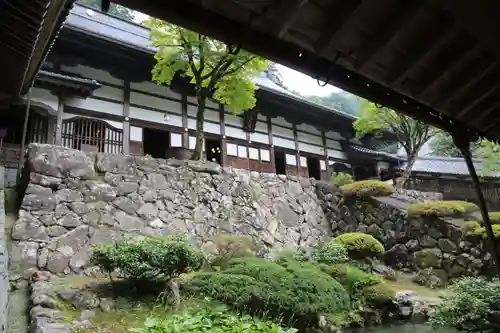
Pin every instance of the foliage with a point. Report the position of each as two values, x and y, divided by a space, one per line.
295 291
494 218
442 145
468 305
274 75
342 101
291 253
471 226
439 208
377 294
367 188
341 178
209 321
331 252
231 246
149 257
469 207
360 245
224 72
352 278
481 231
114 9
410 133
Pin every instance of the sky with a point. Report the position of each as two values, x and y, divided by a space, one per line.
304 84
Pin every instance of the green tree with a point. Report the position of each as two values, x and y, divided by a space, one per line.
342 101
275 76
442 145
410 133
114 9
224 72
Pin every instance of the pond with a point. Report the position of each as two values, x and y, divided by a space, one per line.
406 328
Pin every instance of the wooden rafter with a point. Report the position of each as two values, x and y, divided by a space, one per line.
480 99
484 114
402 13
338 16
492 66
288 13
455 67
420 48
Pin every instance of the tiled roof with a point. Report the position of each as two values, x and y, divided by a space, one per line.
446 165
368 151
52 76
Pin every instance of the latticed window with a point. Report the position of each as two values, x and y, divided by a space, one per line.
92 135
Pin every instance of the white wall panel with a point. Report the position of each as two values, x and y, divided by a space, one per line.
333 135
309 138
175 140
303 161
96 105
311 148
153 88
208 102
173 120
261 117
234 132
233 120
285 143
44 96
265 155
93 73
283 132
140 99
336 154
333 144
135 133
110 93
308 128
281 121
116 124
148 115
259 137
212 128
291 159
208 115
261 127
231 149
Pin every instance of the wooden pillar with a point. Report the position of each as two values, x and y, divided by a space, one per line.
223 148
59 121
126 118
325 154
271 144
51 130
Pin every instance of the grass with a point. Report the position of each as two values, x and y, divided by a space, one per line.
404 283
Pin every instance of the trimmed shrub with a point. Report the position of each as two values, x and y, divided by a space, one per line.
470 306
341 178
494 218
228 247
451 208
331 252
148 258
469 207
471 226
360 245
352 278
290 253
377 295
296 291
367 188
481 231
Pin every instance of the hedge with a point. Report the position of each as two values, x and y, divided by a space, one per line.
453 208
494 218
360 245
367 188
481 231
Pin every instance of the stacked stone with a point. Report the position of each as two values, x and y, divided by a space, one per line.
75 200
4 279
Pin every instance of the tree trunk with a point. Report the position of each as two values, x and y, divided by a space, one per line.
200 118
407 171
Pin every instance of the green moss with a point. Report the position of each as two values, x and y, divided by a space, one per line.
452 208
494 218
341 178
360 245
468 206
481 231
367 188
377 294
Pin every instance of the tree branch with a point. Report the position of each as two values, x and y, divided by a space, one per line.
234 70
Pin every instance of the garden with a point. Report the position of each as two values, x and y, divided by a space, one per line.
167 284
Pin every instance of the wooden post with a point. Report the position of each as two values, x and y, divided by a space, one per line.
463 143
297 150
185 133
126 118
23 138
271 144
223 148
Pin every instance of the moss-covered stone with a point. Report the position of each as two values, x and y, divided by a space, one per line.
451 208
429 258
367 188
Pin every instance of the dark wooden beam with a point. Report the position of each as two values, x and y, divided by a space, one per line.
478 100
461 61
470 84
287 12
402 13
431 36
481 116
337 16
443 43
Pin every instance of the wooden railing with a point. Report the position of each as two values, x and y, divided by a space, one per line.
92 135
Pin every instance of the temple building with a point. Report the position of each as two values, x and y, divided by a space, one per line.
94 93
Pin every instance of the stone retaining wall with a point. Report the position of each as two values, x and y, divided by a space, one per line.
75 200
4 280
437 249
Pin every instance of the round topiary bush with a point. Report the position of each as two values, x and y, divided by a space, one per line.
331 252
377 295
439 208
360 245
367 188
341 178
352 278
469 207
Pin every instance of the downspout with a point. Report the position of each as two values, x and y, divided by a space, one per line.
25 130
463 143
